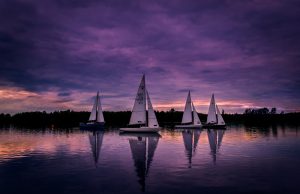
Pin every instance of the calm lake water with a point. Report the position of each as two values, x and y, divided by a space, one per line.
238 160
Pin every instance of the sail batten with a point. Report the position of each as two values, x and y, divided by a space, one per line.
138 115
187 114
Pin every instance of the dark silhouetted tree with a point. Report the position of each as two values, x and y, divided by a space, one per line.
273 111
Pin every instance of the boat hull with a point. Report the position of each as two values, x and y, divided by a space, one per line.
140 130
137 134
91 126
214 126
188 126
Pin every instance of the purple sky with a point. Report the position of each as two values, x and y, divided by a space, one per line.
55 54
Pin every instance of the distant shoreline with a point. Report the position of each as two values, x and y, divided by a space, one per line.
70 118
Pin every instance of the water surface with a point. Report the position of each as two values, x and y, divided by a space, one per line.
238 160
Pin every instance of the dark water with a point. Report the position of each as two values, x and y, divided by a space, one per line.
238 160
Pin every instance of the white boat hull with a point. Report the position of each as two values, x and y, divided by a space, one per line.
188 126
141 129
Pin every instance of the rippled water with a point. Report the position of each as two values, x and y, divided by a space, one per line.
238 160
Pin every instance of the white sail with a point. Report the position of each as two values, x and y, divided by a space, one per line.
196 120
94 110
211 116
100 117
219 116
138 115
152 121
187 115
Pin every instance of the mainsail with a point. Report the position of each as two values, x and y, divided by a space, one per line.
94 110
219 116
196 120
211 117
152 121
138 115
187 115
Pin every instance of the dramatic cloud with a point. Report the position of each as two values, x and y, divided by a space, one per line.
55 54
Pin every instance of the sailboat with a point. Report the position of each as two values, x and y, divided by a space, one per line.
190 118
190 143
214 117
96 119
142 146
138 120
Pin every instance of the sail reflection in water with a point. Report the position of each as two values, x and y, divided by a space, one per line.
190 139
142 148
215 137
96 138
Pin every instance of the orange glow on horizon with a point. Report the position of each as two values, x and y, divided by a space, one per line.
13 100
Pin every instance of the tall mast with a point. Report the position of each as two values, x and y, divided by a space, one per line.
145 96
97 106
192 113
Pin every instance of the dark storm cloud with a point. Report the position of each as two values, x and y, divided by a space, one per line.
242 50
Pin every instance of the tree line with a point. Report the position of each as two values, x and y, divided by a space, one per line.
169 118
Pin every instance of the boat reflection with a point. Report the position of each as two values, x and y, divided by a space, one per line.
190 139
215 137
142 147
96 138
